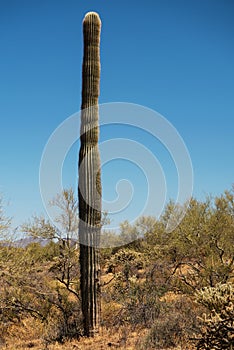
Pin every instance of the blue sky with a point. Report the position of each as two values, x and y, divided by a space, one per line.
174 56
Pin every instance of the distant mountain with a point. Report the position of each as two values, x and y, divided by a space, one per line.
24 242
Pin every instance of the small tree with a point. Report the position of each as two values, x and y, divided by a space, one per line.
65 232
199 251
63 297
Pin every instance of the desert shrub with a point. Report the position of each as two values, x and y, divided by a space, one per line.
135 287
140 301
41 253
128 260
141 305
175 326
65 320
199 252
33 286
218 325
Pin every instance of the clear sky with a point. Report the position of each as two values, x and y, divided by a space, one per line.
174 56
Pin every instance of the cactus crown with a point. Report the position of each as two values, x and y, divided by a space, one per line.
92 16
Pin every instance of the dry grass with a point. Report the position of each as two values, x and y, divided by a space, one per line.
29 336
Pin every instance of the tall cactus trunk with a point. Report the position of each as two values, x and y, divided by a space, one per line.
90 178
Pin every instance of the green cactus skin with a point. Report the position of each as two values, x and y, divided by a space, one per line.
90 177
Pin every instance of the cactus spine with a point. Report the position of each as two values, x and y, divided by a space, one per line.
90 177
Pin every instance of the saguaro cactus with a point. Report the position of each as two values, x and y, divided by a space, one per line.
90 177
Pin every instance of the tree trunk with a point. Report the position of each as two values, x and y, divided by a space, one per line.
90 177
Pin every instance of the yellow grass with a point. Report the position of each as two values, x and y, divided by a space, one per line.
29 336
